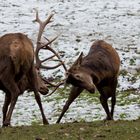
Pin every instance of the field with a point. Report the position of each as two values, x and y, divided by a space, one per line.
98 130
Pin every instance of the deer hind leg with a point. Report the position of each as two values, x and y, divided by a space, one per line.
104 103
113 102
108 90
14 91
33 81
113 99
104 91
75 92
7 80
6 104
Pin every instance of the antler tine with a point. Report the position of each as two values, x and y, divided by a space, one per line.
53 85
46 46
48 58
37 17
61 83
42 24
49 67
50 41
56 86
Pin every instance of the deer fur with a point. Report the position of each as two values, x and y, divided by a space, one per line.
18 73
99 69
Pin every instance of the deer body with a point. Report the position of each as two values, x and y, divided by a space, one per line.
17 72
99 69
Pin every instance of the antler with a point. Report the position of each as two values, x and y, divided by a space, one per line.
46 46
55 86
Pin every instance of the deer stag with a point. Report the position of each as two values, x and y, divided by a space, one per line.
99 69
18 72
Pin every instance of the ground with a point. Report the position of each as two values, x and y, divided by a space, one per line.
98 130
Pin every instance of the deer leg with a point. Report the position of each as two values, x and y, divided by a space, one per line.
104 103
107 88
113 100
13 89
8 82
38 100
33 81
6 104
10 111
75 92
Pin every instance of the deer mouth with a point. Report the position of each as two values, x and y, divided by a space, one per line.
44 91
91 90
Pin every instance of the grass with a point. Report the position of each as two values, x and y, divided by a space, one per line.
98 130
123 98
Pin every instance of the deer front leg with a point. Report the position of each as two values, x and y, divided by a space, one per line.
75 92
33 81
38 100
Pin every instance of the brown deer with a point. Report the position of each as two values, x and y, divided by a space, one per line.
18 72
99 69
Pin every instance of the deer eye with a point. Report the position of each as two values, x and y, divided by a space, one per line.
66 74
77 76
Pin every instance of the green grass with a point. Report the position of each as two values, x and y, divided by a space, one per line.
123 98
98 130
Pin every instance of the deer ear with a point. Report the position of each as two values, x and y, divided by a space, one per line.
79 60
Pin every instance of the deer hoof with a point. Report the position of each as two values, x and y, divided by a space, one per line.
58 122
108 119
6 124
43 91
45 122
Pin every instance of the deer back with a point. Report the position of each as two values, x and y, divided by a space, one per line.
102 59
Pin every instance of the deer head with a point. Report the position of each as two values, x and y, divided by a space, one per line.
80 76
42 85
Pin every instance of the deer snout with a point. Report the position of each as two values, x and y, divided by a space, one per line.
90 85
91 90
43 90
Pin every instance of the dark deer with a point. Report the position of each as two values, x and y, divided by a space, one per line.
18 72
99 69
